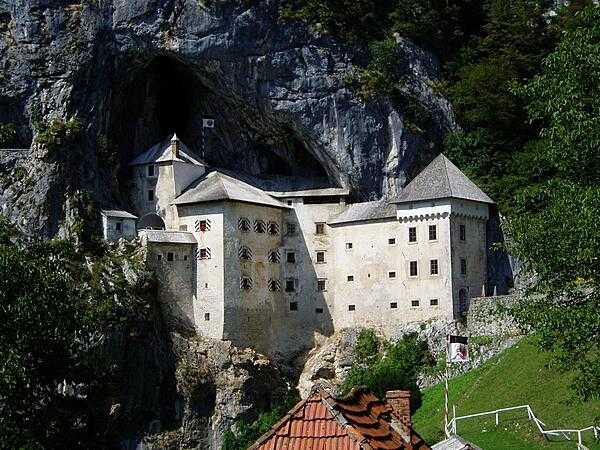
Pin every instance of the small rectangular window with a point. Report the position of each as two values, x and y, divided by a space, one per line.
433 302
433 266
273 228
185 257
274 285
274 256
207 316
414 303
246 283
432 232
290 229
159 257
151 170
260 226
322 285
182 227
150 195
119 227
463 266
412 234
293 306
204 253
290 257
462 232
319 228
320 257
319 310
290 285
392 241
414 271
170 256
392 274
393 305
289 202
202 225
348 245
350 277
244 224
351 307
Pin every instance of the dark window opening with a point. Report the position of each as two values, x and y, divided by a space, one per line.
290 257
150 195
433 302
319 310
414 271
206 316
290 285
350 277
293 306
463 266
274 256
462 232
273 228
392 241
432 232
321 285
119 227
433 267
412 234
170 256
392 274
414 303
151 170
320 228
393 305
351 307
320 257
259 226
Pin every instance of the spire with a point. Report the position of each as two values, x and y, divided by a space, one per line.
175 145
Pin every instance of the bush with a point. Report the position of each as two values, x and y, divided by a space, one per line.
59 134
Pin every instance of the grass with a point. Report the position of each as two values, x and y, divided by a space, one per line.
518 376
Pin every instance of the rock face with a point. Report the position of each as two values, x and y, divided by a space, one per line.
133 71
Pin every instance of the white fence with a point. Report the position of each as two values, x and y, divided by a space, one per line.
531 416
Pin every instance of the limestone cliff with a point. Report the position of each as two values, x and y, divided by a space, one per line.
131 72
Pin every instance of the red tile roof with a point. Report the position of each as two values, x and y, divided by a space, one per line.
359 421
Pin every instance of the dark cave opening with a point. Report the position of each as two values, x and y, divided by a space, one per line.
163 94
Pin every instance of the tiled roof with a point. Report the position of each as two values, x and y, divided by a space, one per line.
359 212
161 152
441 179
169 236
322 422
118 213
218 186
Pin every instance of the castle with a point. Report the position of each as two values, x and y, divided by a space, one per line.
270 268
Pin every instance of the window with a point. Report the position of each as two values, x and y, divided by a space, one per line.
319 310
182 227
202 225
414 270
463 266
150 195
432 232
433 302
290 229
293 306
290 257
246 283
320 228
414 303
259 226
204 253
273 228
320 257
151 170
350 277
392 274
433 266
462 232
392 241
274 285
245 253
119 227
243 224
170 256
289 202
322 284
348 245
274 256
185 257
351 307
207 316
290 285
412 234
159 257
393 305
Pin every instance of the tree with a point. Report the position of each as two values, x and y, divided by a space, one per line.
554 230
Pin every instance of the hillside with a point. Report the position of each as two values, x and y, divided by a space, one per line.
517 376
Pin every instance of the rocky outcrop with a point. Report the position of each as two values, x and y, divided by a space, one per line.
132 72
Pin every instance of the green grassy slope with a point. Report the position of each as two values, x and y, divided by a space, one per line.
517 376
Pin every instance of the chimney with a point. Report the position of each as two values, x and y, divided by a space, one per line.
175 145
400 404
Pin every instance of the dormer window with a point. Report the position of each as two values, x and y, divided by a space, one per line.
151 170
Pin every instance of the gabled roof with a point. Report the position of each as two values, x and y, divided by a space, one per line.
161 152
355 422
117 213
218 186
441 179
359 212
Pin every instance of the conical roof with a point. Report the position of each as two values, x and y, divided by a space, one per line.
441 179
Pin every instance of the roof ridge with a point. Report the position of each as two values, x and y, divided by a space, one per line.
444 160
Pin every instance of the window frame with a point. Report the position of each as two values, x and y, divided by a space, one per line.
393 305
412 239
291 253
119 227
294 285
153 174
463 267
432 300
351 308
434 264
272 228
392 241
320 257
434 229
410 267
462 232
322 284
244 225
392 274
260 226
320 228
349 278
416 303
150 195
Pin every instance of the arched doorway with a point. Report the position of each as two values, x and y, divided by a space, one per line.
463 301
151 221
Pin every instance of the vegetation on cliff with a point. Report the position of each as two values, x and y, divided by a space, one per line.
57 306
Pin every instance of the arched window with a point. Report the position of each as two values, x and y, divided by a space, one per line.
245 254
259 226
244 224
151 221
